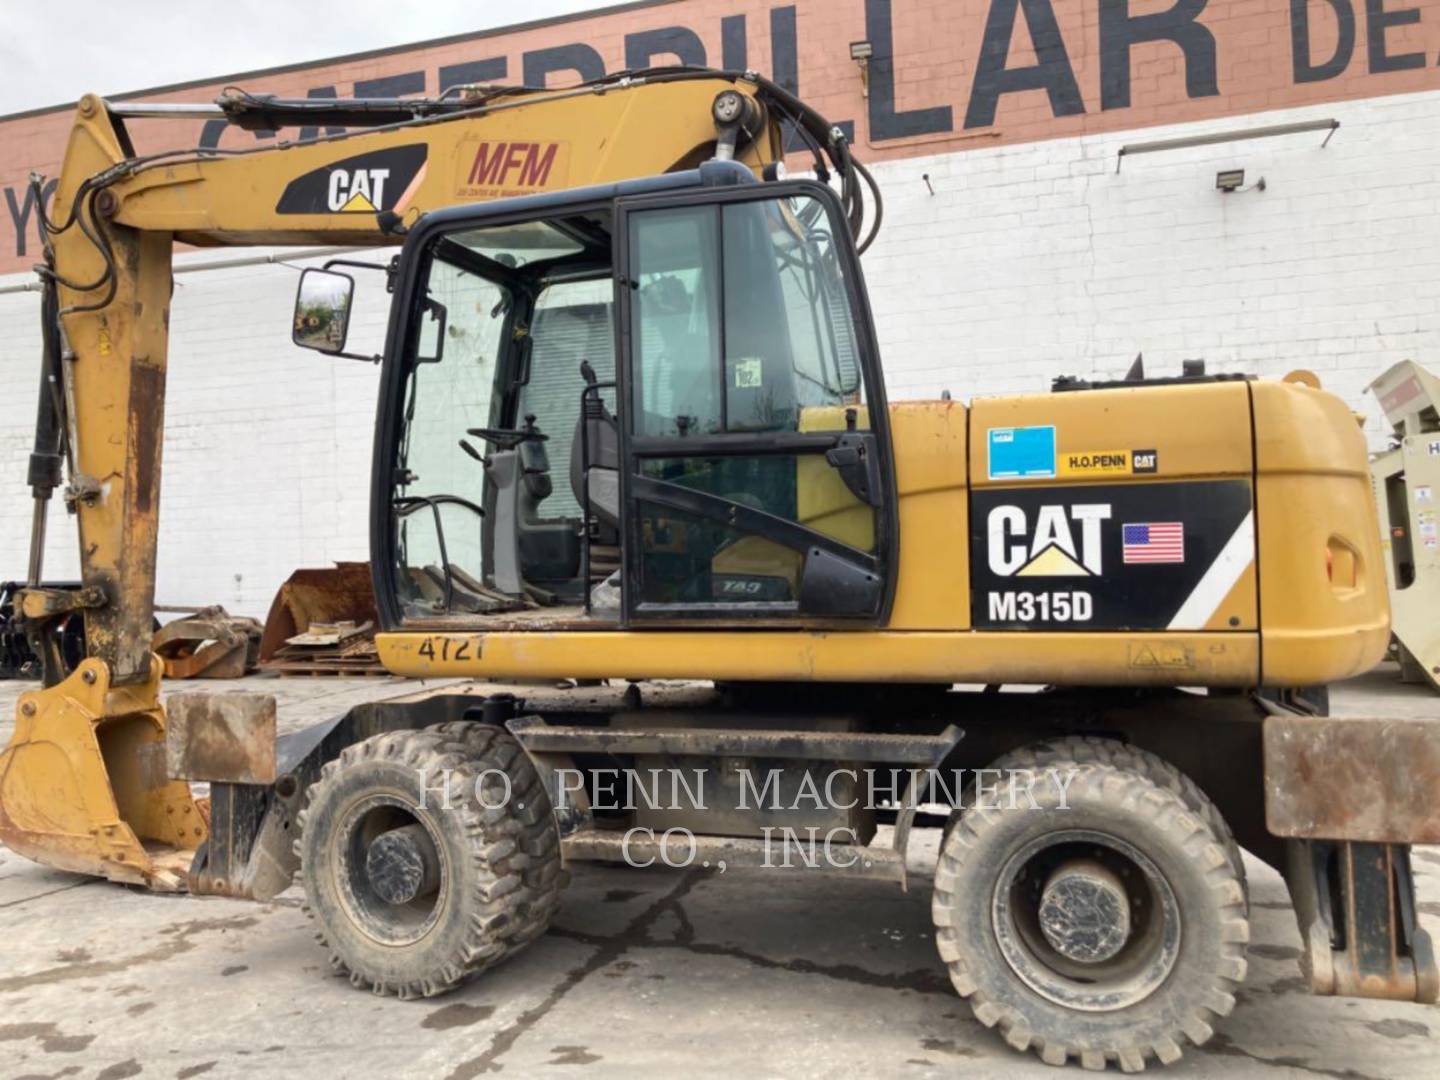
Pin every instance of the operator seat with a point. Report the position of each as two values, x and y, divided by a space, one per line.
526 553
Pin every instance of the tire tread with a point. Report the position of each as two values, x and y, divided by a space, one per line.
516 855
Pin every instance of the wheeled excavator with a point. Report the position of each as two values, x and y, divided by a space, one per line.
634 455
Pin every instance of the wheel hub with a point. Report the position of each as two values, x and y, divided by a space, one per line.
1084 912
402 864
1086 920
392 872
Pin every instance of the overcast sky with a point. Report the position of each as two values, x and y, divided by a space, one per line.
51 54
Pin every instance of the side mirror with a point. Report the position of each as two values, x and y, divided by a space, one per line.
322 310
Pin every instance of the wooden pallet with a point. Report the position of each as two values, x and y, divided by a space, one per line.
324 666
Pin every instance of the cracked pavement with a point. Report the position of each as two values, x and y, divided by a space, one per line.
652 971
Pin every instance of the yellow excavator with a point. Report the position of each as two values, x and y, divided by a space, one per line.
633 456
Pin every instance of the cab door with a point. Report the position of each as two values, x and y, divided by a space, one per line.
756 468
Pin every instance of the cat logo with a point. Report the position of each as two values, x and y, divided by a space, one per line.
1065 541
364 184
361 191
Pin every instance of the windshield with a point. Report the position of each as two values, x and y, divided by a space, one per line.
439 506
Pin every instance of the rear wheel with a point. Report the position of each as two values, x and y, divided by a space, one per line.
420 853
1108 924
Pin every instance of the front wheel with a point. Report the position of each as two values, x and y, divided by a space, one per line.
427 857
1105 922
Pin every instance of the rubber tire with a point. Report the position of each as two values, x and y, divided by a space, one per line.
1088 749
542 877
1129 804
491 912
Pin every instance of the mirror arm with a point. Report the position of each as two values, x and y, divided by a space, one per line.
356 263
390 269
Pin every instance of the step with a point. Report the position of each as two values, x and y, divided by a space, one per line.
924 750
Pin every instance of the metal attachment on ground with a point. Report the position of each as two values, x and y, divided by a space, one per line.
1405 477
210 644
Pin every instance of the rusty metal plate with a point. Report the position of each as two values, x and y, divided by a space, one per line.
338 593
208 644
1343 778
226 737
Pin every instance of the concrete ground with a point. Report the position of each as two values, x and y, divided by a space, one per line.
659 972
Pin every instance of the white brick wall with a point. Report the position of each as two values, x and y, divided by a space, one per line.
1038 259
1028 261
267 446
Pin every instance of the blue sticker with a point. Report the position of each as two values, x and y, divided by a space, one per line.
1022 453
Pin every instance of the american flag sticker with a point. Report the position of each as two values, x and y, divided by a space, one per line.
1154 542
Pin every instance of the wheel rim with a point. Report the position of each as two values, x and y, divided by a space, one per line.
386 913
1086 920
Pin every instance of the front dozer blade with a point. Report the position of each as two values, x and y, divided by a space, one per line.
83 784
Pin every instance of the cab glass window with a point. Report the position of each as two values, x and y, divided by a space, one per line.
741 320
445 397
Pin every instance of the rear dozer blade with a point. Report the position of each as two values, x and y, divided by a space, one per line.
83 784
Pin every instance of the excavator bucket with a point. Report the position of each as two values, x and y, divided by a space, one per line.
84 788
322 619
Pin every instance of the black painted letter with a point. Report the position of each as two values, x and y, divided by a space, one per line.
1306 70
391 86
678 41
1378 22
885 122
494 69
306 133
733 51
20 214
581 59
1119 30
1052 73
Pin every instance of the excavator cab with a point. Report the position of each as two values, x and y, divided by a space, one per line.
628 405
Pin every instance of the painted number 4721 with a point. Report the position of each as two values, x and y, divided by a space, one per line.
448 648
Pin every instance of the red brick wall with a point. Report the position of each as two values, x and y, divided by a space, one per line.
942 77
